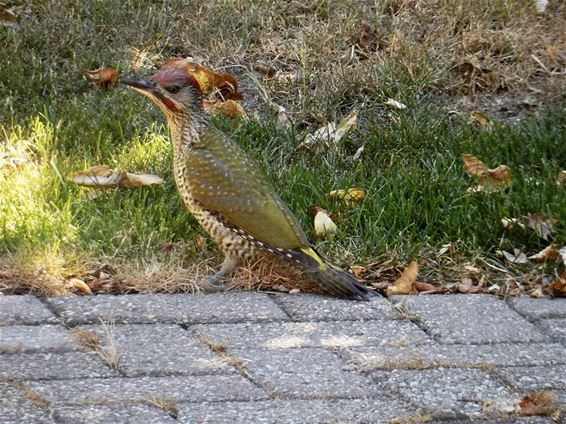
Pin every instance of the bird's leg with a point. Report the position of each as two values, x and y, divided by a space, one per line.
230 263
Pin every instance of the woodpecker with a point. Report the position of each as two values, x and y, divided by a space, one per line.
228 194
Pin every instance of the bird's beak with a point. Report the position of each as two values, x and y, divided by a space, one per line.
146 87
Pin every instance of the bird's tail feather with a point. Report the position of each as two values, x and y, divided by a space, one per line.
333 279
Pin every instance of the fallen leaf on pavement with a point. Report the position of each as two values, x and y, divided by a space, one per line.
405 283
102 176
103 77
538 403
490 180
547 254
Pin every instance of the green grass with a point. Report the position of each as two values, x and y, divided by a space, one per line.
411 167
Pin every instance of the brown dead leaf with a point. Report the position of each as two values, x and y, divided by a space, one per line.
490 180
103 77
405 283
366 36
209 81
228 109
359 271
266 71
558 287
547 254
466 286
542 226
538 403
480 119
102 176
77 285
427 288
352 196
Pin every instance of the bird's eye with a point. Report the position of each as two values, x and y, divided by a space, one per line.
173 89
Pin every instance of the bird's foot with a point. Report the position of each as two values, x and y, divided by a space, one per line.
213 284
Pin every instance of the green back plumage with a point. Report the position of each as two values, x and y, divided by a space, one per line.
226 182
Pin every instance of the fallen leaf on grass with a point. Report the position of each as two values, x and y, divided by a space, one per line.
490 180
209 81
331 132
480 119
366 35
541 5
405 283
395 104
102 176
323 224
103 77
358 270
77 285
517 257
511 222
427 288
466 286
282 118
547 254
561 179
542 226
445 248
266 71
227 109
352 196
7 17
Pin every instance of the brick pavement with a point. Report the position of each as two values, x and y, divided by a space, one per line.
256 357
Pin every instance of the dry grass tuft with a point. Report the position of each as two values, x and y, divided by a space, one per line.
164 403
105 346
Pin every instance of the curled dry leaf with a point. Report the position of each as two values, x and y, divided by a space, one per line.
542 226
427 288
209 81
395 104
466 285
511 222
490 180
561 179
405 283
103 77
517 257
558 287
266 71
352 196
227 109
539 403
77 285
331 132
323 223
547 254
102 176
480 119
358 270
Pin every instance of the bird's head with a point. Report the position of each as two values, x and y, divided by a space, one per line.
174 91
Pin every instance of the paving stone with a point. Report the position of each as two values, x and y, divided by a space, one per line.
168 308
113 391
100 414
294 411
527 379
25 309
311 307
23 413
35 338
461 392
542 308
35 366
325 334
161 349
526 420
555 328
471 319
303 373
428 356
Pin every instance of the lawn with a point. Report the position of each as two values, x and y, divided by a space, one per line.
443 60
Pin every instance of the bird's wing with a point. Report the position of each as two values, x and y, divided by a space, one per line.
227 183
